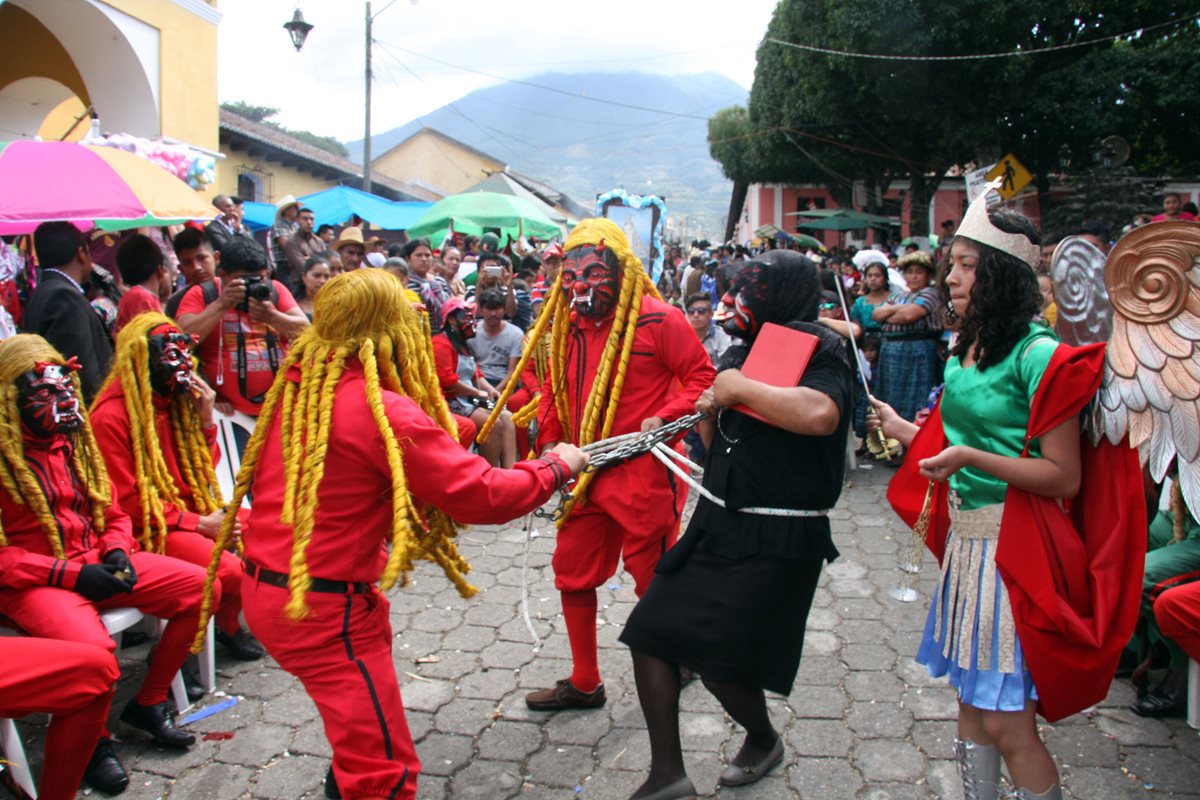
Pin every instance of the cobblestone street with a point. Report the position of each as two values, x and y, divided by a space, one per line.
864 721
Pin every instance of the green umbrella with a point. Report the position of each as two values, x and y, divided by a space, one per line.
476 212
844 220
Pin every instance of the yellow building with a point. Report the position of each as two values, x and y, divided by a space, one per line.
147 68
430 158
263 164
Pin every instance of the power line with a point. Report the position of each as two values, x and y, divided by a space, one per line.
530 84
979 56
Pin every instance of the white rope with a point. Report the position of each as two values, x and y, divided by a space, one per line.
980 56
530 534
667 455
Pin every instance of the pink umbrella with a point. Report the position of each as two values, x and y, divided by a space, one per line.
110 188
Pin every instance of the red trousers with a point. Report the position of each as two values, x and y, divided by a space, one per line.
1177 612
72 681
167 588
342 653
518 400
196 548
591 543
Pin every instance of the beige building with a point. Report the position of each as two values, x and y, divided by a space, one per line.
262 163
436 161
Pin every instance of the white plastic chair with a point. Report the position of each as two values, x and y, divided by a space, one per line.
1193 690
231 460
14 753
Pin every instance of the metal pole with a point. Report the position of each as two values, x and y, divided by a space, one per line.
366 182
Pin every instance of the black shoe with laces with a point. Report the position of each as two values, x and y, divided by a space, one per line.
157 721
104 771
241 646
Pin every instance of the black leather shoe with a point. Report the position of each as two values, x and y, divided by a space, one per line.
157 721
195 689
1168 699
241 646
104 771
331 788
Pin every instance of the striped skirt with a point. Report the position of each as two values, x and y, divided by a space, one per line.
970 635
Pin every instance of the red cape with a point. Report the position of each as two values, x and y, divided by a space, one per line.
1073 573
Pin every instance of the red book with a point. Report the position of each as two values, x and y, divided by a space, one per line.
778 357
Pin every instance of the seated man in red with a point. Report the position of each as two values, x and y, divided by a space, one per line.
32 682
153 420
67 551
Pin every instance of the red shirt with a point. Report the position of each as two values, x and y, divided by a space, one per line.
219 351
27 560
110 423
353 526
445 360
136 300
668 369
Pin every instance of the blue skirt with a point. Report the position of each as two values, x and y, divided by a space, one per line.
907 371
988 673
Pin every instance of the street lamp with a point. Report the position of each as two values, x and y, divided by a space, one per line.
298 29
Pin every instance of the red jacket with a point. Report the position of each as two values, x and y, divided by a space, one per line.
110 422
668 369
1073 572
27 560
354 513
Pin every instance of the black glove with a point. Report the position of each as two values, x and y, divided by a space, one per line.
120 560
97 582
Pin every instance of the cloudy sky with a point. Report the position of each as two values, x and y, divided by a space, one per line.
430 52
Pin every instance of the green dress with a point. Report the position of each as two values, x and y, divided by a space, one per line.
989 410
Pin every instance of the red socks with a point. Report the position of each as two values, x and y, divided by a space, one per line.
579 611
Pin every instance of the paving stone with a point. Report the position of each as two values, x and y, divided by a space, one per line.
444 753
820 738
470 638
1130 729
566 766
821 670
870 685
825 778
818 702
465 715
486 780
310 739
252 748
872 720
935 738
426 695
1165 769
288 778
821 643
868 656
292 705
487 685
509 655
935 703
168 762
511 741
577 728
212 781
944 781
1081 746
1106 783
884 760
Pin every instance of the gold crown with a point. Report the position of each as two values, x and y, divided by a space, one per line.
978 227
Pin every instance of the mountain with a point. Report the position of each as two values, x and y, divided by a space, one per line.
559 134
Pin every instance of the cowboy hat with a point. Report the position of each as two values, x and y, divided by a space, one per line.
286 202
350 235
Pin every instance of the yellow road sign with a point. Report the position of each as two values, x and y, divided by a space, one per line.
1014 175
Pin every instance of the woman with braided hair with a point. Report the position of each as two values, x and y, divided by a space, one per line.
153 420
621 361
731 599
356 475
67 550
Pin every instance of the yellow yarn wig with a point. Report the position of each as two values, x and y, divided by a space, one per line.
19 355
598 415
131 367
361 315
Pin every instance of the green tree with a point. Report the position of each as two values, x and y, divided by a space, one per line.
817 117
263 114
249 111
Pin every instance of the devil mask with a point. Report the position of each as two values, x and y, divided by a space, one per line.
590 279
48 400
779 286
462 322
170 361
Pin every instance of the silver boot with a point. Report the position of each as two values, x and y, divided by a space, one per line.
979 768
1053 793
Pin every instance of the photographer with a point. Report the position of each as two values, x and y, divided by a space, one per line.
244 321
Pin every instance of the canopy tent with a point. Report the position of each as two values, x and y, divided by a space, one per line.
839 219
804 240
86 184
500 183
335 206
478 212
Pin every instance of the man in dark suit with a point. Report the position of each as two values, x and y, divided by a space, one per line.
227 224
59 309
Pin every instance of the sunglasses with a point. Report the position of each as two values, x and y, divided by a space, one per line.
696 311
828 306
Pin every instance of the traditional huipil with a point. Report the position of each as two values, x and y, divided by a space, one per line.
356 475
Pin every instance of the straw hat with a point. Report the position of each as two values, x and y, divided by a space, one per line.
349 236
286 202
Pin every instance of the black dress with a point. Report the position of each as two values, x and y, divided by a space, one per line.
730 600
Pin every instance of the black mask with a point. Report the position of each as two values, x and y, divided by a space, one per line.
170 361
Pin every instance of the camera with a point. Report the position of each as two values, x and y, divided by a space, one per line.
257 288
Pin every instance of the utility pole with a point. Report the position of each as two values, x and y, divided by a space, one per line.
366 182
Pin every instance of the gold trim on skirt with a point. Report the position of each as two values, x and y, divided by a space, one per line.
969 578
